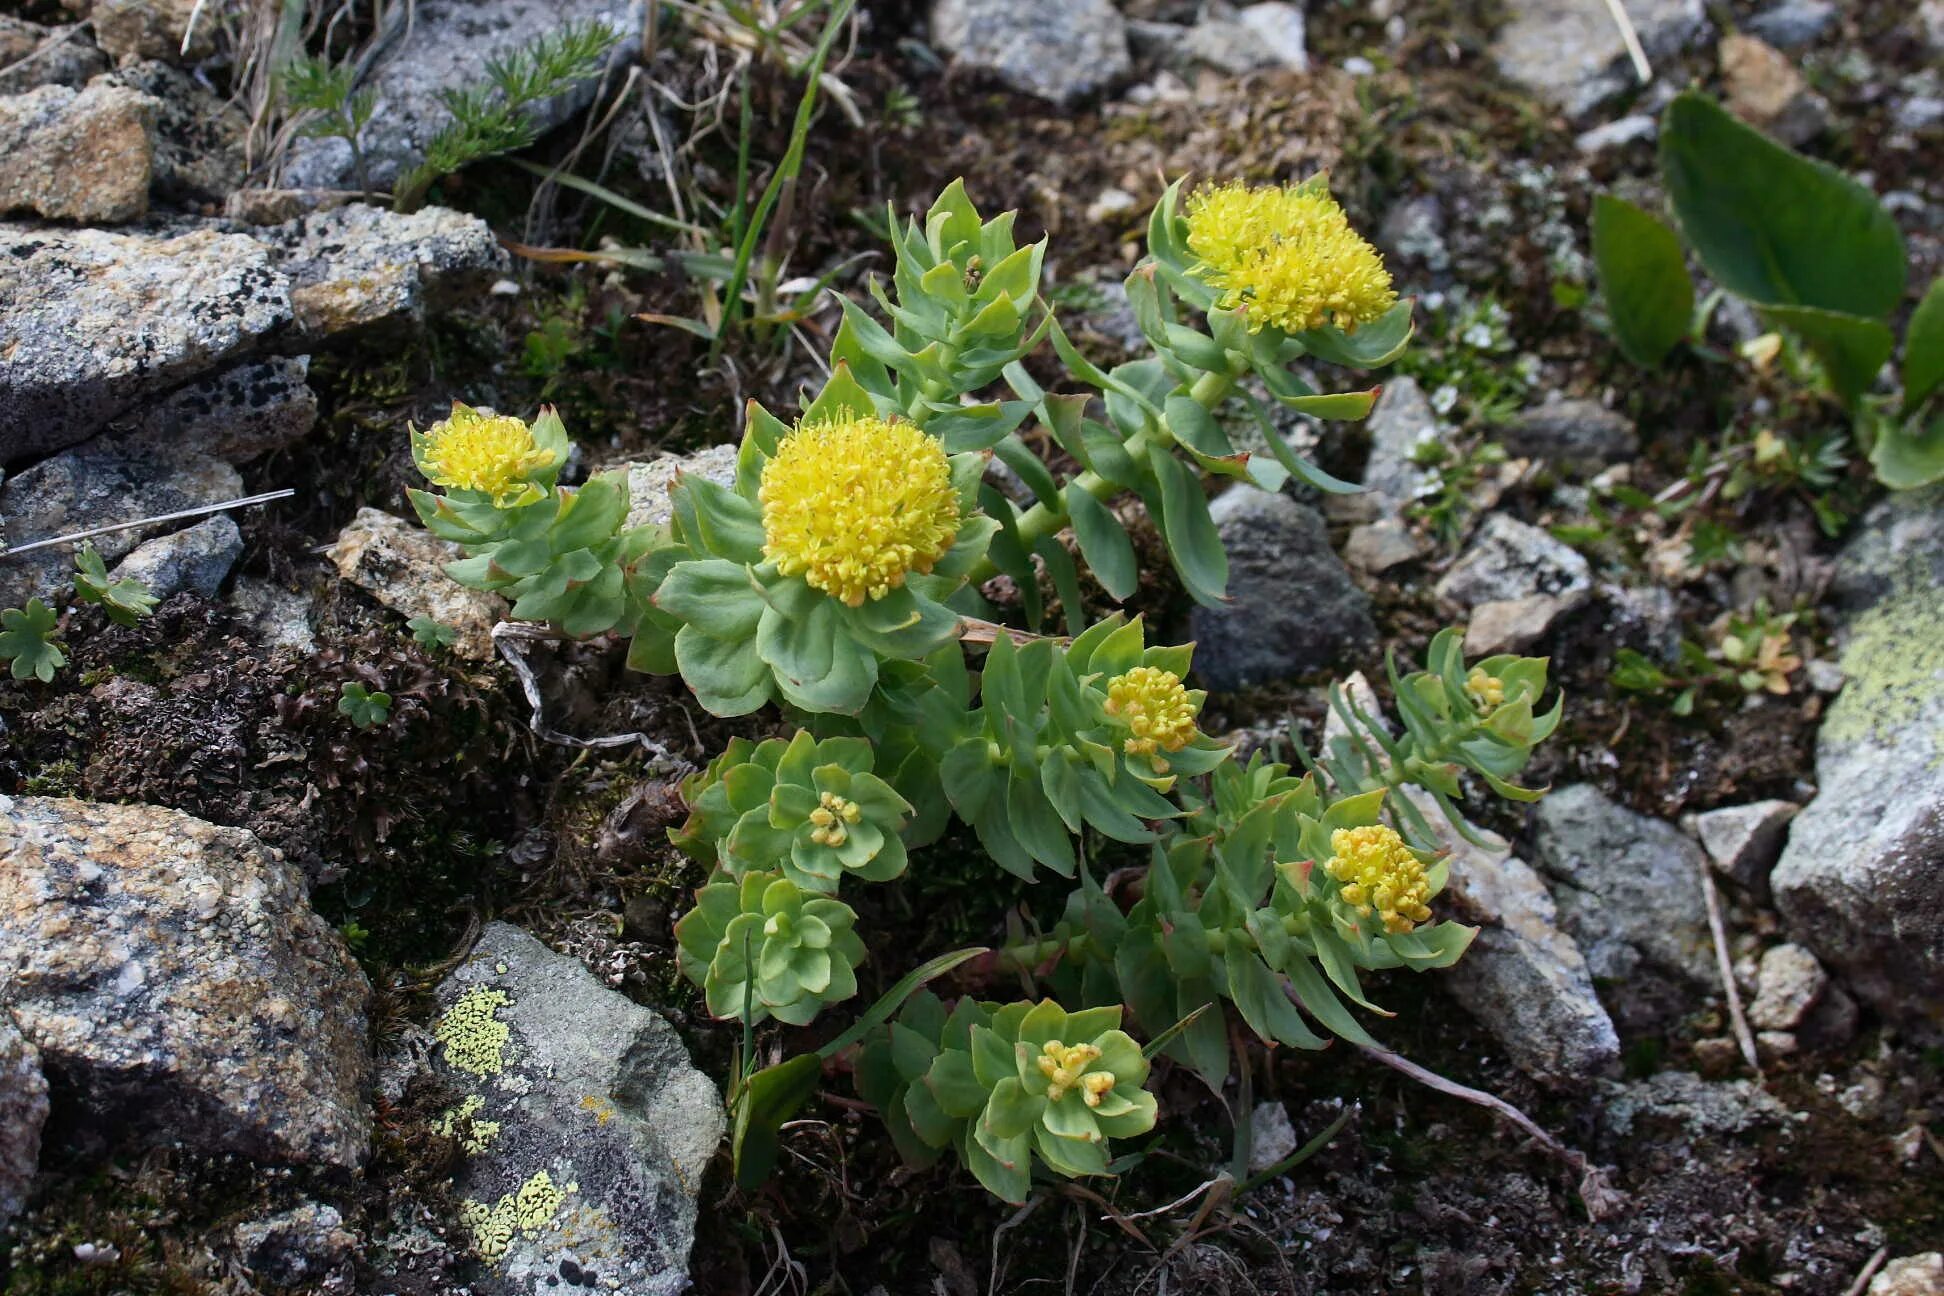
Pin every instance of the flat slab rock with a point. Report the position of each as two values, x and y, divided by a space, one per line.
402 565
173 975
585 1129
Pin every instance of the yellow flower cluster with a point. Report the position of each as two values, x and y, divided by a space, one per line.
1288 256
854 505
490 453
1485 691
829 818
1157 711
1380 874
1065 1065
474 1036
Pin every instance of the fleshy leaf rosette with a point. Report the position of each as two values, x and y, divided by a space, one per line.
1005 1084
812 809
764 947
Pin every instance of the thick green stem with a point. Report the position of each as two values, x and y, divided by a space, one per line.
1044 520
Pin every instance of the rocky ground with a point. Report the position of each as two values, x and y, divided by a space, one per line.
290 1005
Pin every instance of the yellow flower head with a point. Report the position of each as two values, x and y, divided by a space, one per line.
494 454
1156 711
1486 691
1286 254
856 504
1380 875
1065 1065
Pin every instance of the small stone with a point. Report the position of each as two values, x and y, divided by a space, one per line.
649 481
299 1247
1061 52
32 56
1791 984
1271 1136
1577 436
1401 421
1772 1045
1572 54
1414 231
1793 23
81 156
151 29
1824 676
1517 580
279 617
601 1129
1261 36
1375 547
1512 625
94 323
1766 90
1916 1275
1111 204
197 559
1292 605
1716 1057
1616 134
153 1014
23 1113
403 567
1744 841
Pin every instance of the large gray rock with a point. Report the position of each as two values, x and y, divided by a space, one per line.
235 414
446 45
23 1112
1061 52
92 323
1861 881
199 135
1577 436
358 266
173 976
403 567
1516 580
1629 892
32 55
196 559
586 1131
1571 54
1260 36
103 481
1292 606
82 155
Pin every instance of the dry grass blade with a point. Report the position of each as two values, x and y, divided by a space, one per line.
1723 961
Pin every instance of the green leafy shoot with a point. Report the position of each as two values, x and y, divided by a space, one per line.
428 633
27 640
365 708
126 601
341 111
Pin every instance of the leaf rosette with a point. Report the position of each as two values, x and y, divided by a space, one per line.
764 947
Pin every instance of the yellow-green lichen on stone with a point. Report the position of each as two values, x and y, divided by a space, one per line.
524 1212
1894 658
474 1036
463 1123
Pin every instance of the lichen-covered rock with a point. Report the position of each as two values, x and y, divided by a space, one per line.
1293 607
1915 1275
103 481
234 414
1516 580
1861 881
449 44
91 323
300 1247
82 155
584 1128
32 55
650 480
1629 892
1062 52
356 266
199 135
403 567
1572 54
153 29
23 1111
1699 1109
173 975
197 559
1578 436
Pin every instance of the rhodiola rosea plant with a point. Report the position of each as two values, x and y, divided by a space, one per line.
839 579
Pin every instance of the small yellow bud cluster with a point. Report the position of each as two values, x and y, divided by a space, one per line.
854 505
1286 254
1156 710
490 453
1486 691
1380 874
1065 1065
831 815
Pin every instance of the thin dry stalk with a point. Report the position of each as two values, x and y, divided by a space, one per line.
1726 964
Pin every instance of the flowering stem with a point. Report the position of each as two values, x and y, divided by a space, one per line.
1043 520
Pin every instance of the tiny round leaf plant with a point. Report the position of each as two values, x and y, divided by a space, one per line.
813 810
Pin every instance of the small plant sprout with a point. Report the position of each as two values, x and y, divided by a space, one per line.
27 641
842 577
126 601
431 634
363 707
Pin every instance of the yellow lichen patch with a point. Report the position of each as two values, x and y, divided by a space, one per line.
1287 255
599 1108
463 1123
493 454
474 1036
1380 875
854 505
1485 691
1156 711
525 1211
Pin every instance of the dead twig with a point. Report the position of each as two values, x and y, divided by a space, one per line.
507 635
199 511
1862 1283
1631 38
1723 961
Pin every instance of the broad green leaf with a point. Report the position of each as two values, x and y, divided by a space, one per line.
1923 362
1904 457
1643 276
1190 532
1373 346
768 1098
1771 225
1103 542
26 639
1852 349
